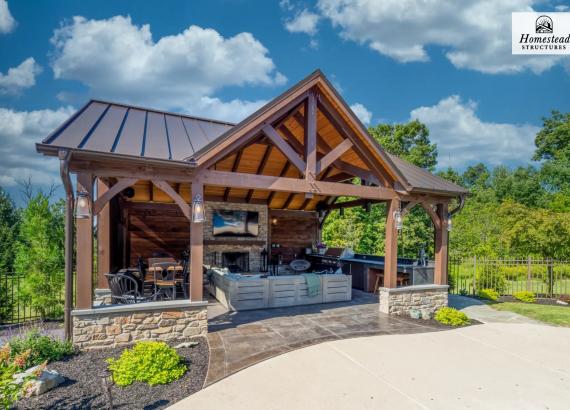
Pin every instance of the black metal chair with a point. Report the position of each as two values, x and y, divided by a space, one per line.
125 289
165 280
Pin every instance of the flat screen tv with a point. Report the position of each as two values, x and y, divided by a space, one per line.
235 223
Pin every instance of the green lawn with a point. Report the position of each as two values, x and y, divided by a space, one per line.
556 315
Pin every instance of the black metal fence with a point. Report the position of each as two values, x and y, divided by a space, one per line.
15 308
544 277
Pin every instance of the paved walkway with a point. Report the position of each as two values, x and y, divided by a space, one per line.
240 339
482 312
491 366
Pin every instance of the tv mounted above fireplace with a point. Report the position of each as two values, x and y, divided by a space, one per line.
235 223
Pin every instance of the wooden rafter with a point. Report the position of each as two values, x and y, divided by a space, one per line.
260 168
341 165
310 135
235 167
284 147
288 201
333 155
281 174
344 129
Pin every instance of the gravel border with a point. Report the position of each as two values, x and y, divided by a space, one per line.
82 389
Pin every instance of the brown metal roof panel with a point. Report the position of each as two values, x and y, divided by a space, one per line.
196 133
420 178
103 136
180 146
130 138
156 143
213 130
80 127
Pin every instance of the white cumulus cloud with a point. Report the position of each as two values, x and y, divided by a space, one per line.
464 139
119 60
20 77
19 131
475 34
7 22
303 22
362 113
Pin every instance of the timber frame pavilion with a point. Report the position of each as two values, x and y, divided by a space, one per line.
300 152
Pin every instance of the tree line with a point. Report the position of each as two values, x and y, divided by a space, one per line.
32 247
518 212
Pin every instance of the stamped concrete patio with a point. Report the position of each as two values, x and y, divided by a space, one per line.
241 339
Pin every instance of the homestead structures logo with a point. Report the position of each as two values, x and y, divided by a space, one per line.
544 25
538 33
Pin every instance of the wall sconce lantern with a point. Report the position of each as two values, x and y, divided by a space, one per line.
274 221
82 205
449 223
399 220
198 209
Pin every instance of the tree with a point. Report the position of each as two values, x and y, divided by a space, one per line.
8 236
553 148
8 232
408 141
40 255
476 176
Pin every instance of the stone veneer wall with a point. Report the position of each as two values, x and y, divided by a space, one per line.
238 244
425 298
120 325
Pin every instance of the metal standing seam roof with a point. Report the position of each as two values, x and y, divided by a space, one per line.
421 179
128 130
108 127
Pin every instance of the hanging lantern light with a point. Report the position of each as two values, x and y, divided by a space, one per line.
449 223
399 220
82 206
198 209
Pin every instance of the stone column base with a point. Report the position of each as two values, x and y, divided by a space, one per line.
425 298
120 325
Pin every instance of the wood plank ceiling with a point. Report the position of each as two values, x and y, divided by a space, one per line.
263 158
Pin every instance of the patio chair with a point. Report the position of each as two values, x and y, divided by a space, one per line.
125 289
164 280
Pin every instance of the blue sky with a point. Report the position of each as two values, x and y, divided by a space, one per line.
391 60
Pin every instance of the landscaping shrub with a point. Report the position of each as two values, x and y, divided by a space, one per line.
10 364
525 296
42 348
148 362
490 294
463 292
451 316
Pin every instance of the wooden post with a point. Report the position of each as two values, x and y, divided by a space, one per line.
196 248
84 252
103 239
391 246
440 274
311 136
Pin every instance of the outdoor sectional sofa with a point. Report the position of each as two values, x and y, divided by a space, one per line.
247 292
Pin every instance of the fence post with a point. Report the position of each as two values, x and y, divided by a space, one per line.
550 277
529 274
474 274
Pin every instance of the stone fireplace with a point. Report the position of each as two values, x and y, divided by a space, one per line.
235 249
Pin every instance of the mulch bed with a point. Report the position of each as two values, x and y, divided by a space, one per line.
82 389
539 301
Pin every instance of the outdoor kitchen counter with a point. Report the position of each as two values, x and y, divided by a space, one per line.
246 292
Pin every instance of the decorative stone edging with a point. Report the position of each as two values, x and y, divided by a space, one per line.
120 325
424 298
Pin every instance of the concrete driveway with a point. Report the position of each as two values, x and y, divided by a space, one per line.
488 366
